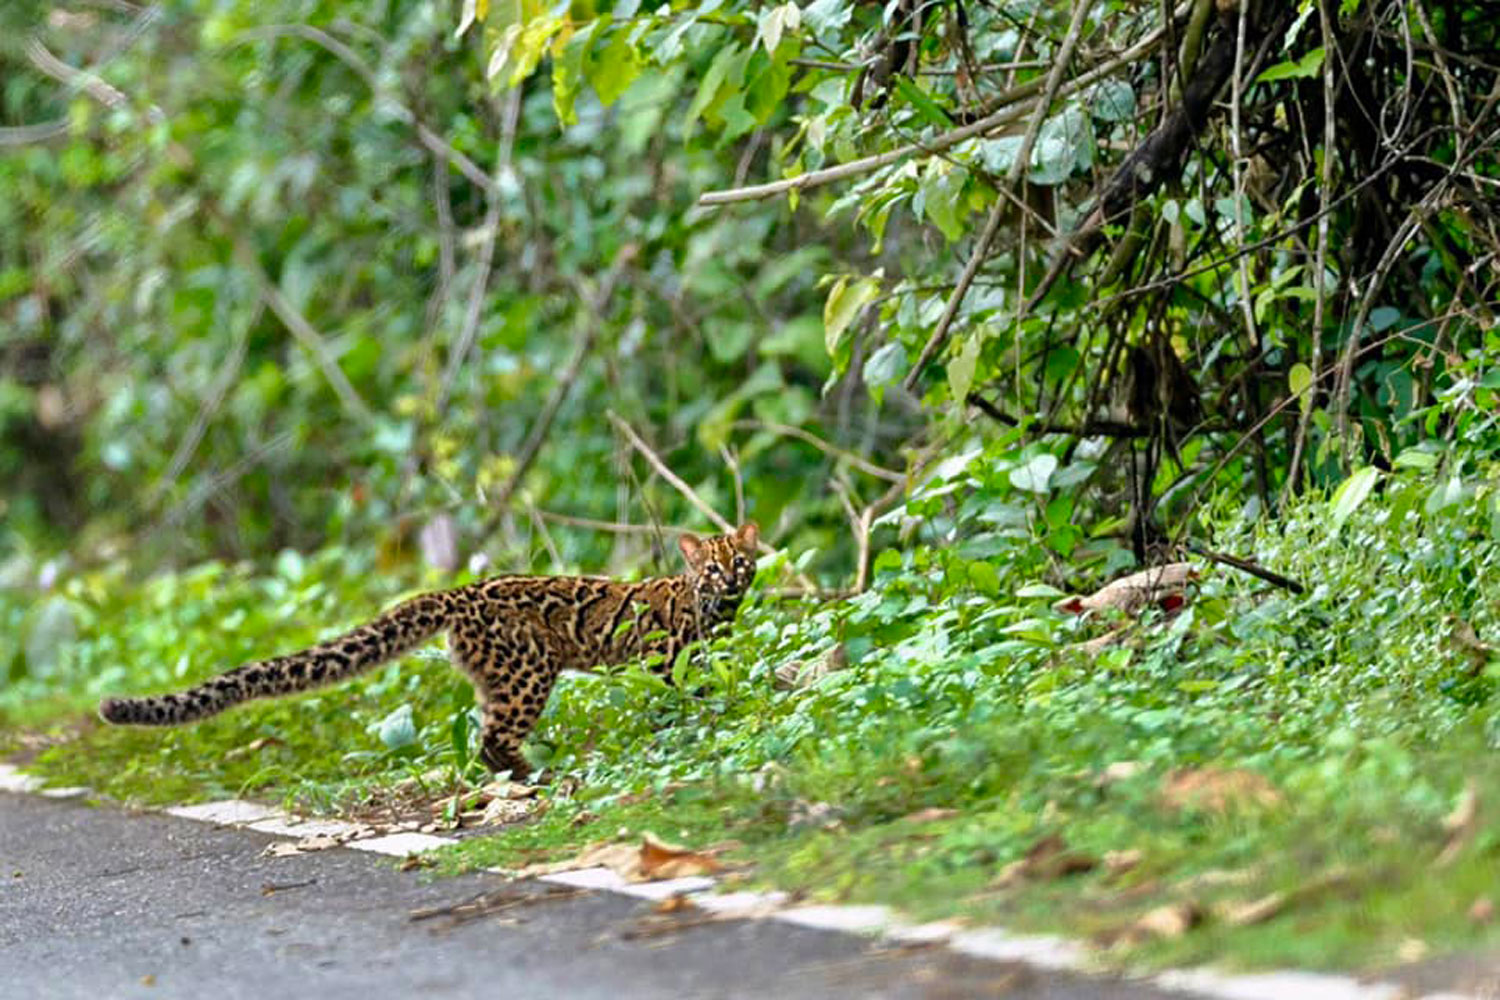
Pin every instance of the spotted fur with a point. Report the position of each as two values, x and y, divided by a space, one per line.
510 635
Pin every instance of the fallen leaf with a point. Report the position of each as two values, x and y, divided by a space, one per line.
1170 921
1217 790
675 904
502 812
805 673
1131 594
661 860
507 790
1250 912
148 980
414 861
288 848
649 860
1462 823
1049 858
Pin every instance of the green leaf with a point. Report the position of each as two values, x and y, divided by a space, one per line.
961 368
1113 101
924 105
1308 65
1299 379
1034 591
1036 475
885 365
845 302
985 578
1352 492
614 69
397 730
1416 458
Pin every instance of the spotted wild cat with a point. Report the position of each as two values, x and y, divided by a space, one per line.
510 635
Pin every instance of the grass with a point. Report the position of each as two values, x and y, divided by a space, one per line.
963 733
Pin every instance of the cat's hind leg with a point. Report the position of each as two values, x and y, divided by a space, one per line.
512 680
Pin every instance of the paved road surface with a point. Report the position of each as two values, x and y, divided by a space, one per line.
98 903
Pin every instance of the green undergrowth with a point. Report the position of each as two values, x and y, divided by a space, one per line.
1345 735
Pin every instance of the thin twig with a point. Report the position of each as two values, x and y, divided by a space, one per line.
831 450
610 527
296 324
674 480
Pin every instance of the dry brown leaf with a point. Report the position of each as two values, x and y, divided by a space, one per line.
306 845
675 904
1217 790
1255 911
649 860
1462 823
1049 858
1170 921
1131 594
501 812
661 860
414 861
805 673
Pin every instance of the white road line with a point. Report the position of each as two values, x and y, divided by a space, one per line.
230 812
399 845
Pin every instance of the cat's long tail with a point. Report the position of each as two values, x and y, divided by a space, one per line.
399 630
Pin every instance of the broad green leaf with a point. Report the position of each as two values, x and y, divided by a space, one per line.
846 300
1113 101
985 577
615 68
1352 492
913 94
1416 458
397 729
1036 475
961 368
1308 65
886 365
1299 379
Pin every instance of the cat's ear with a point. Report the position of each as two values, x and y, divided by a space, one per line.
748 537
692 548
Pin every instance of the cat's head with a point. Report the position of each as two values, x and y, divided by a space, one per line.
722 566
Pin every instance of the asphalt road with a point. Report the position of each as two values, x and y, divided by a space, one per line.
98 903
